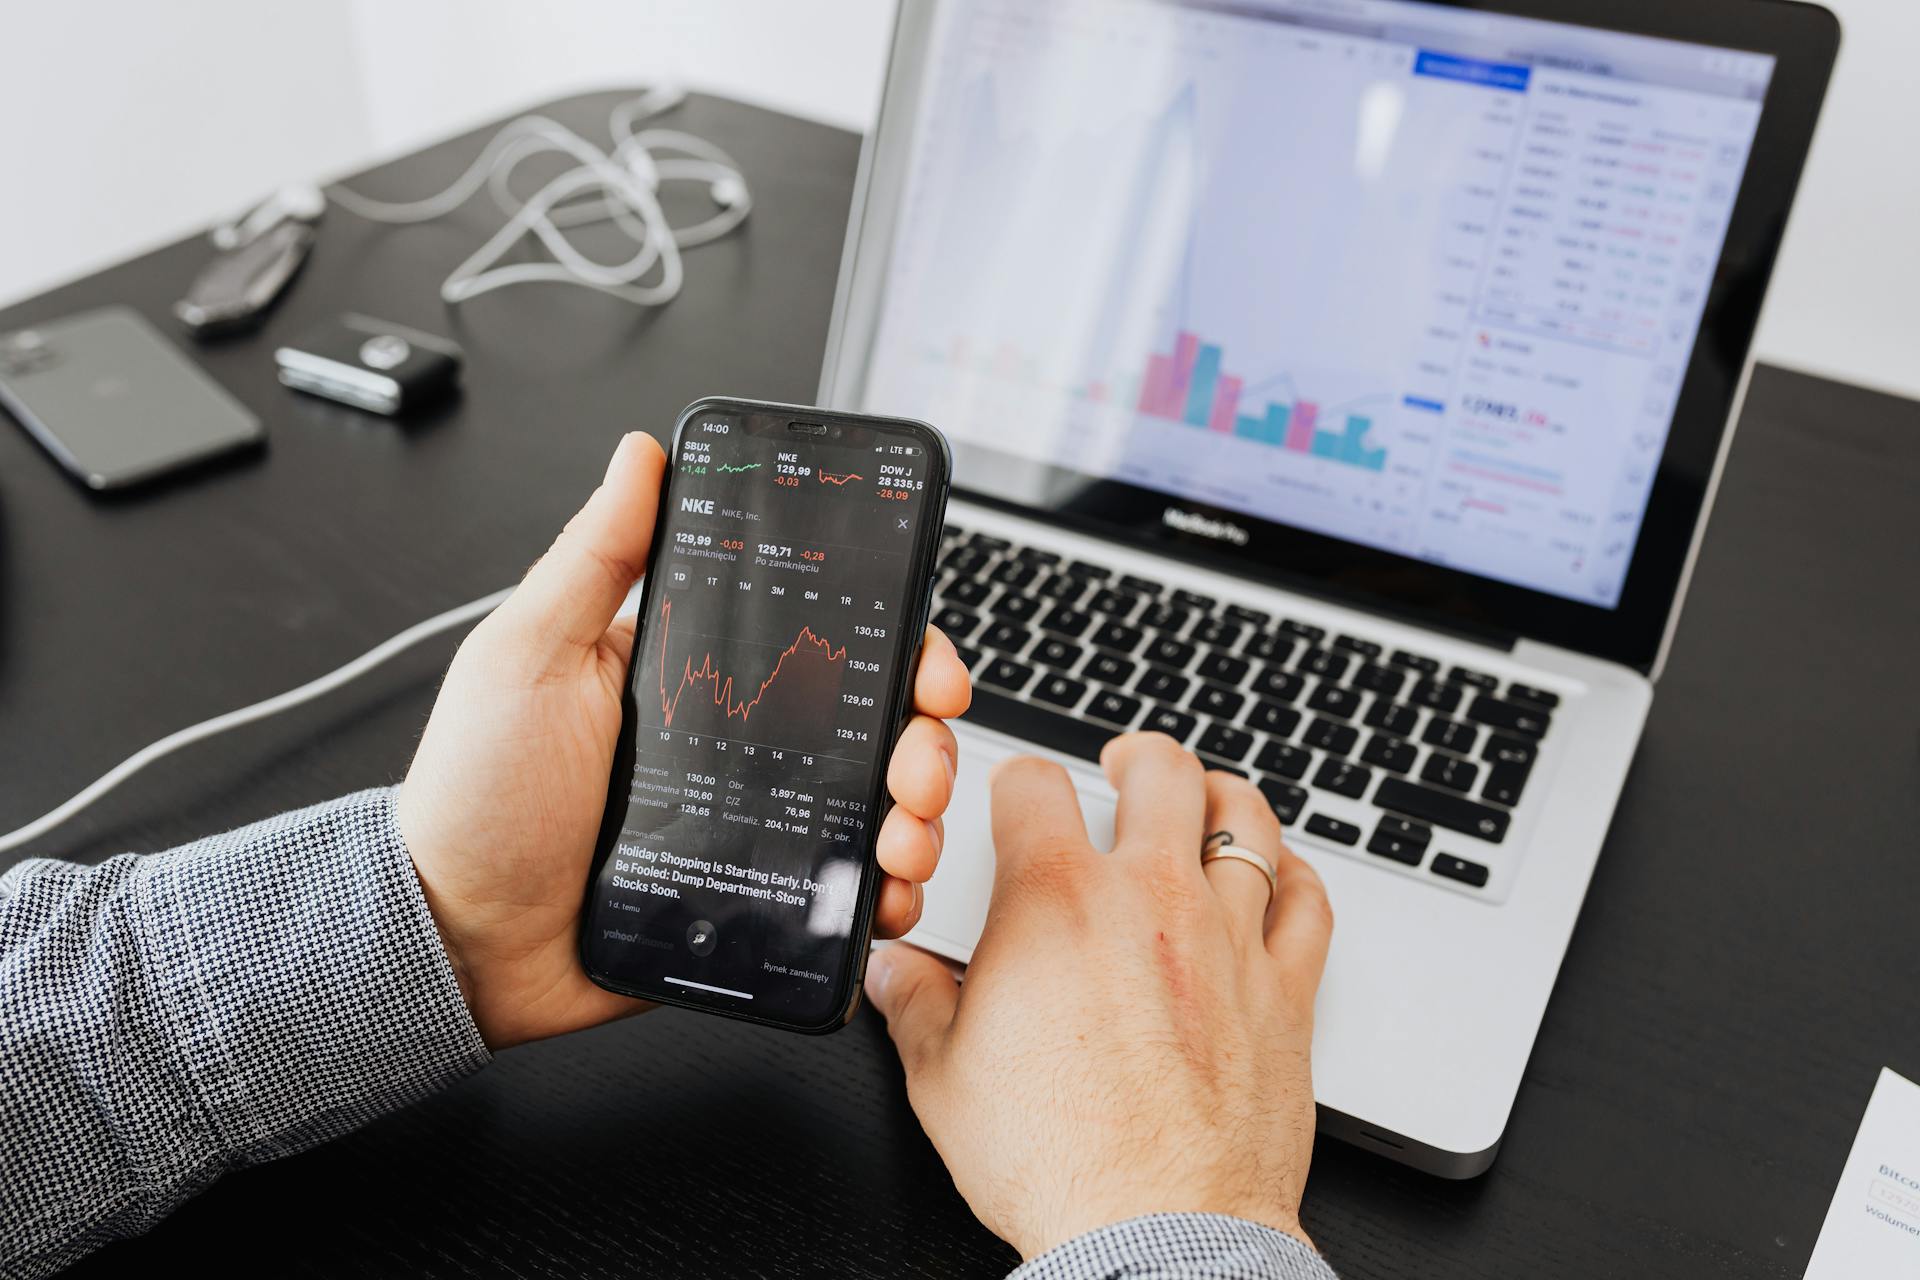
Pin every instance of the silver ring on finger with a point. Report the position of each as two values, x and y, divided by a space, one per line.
1220 845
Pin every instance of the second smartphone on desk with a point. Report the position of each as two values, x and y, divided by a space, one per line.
772 672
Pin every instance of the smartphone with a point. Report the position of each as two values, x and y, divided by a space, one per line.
114 402
778 635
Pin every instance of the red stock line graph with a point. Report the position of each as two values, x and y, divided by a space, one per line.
721 684
838 479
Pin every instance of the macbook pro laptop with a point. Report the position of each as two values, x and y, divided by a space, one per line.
1340 387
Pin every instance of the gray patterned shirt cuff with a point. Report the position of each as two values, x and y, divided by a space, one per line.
168 1017
1180 1246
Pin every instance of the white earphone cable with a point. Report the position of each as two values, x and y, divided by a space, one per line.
627 182
258 711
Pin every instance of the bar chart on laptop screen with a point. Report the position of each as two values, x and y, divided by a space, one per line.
1421 300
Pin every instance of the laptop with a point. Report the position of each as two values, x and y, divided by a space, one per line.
1340 387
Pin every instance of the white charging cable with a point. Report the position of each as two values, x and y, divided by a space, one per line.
258 711
621 186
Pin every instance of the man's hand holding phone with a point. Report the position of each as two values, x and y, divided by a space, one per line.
504 799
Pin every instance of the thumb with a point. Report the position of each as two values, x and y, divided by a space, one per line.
571 593
917 995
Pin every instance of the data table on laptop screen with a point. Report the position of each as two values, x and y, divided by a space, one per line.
1431 287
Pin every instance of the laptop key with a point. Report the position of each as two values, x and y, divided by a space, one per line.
1108 669
1015 573
1165 685
1389 752
1215 701
1115 708
1143 586
1443 809
1170 618
1271 647
969 591
1081 569
1478 679
1063 587
1400 840
1501 749
1255 617
1287 800
1170 653
1275 683
1336 739
1354 644
1037 724
1335 701
1060 691
1343 779
1414 662
1324 663
1118 635
1219 632
951 531
957 623
1014 607
1538 697
1115 604
969 656
1035 555
1007 673
1449 734
1505 782
963 560
1392 717
1511 716
1306 631
1218 666
1068 622
1450 772
1226 742
1009 637
1055 652
987 542
1333 829
1286 761
1175 724
1193 599
1385 681
1271 717
1435 695
1445 864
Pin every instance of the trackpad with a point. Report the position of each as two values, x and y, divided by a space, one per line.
956 898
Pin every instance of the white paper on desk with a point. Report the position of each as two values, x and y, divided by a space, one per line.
1873 1224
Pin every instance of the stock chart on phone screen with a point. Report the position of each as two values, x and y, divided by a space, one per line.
773 629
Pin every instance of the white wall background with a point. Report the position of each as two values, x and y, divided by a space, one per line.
128 124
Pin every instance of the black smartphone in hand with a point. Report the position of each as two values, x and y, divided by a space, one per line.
779 631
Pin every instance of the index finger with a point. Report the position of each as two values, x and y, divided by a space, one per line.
942 688
1162 790
1037 823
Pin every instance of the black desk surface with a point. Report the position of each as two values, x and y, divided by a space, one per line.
1743 967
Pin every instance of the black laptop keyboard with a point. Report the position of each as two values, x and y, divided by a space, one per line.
1067 654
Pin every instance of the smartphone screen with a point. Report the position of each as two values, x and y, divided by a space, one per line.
779 629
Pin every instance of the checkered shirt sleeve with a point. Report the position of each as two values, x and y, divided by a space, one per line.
169 1017
1180 1246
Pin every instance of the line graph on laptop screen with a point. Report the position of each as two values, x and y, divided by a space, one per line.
1427 283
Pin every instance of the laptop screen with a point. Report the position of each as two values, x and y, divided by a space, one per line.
1413 277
